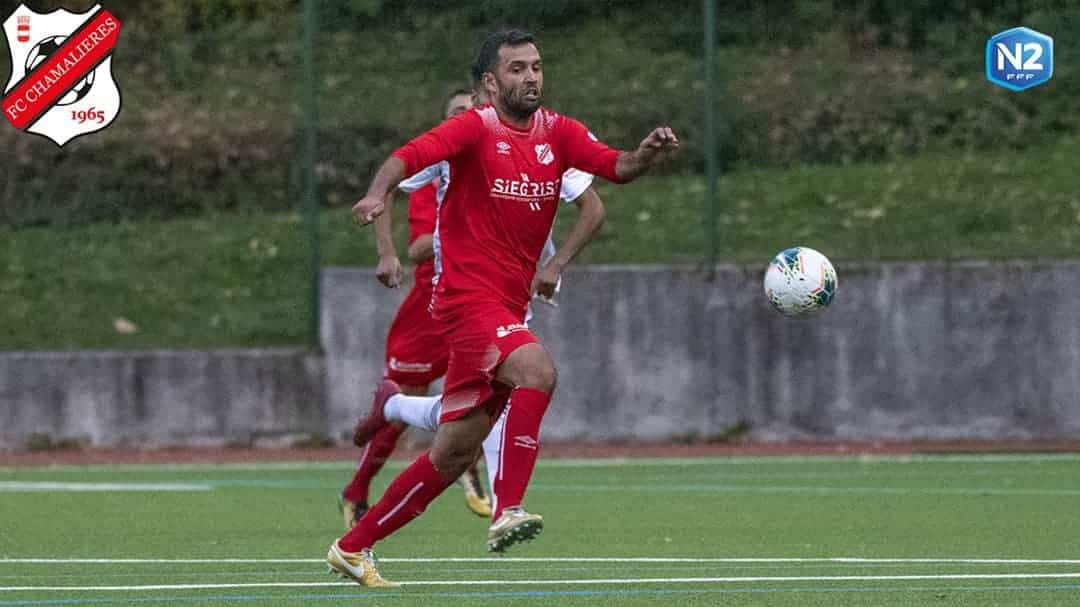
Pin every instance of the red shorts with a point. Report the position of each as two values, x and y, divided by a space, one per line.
416 351
480 337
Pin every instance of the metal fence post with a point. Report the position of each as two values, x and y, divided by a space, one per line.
310 146
712 203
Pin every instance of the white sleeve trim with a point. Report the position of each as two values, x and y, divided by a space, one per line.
574 184
421 179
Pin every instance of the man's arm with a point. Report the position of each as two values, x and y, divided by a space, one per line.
591 215
389 270
652 150
374 203
438 144
422 249
586 153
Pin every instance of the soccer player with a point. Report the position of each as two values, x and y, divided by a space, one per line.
416 354
506 161
424 412
378 432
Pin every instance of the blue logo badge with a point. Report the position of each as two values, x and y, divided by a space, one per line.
1019 59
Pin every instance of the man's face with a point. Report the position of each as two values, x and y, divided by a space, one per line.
517 81
458 104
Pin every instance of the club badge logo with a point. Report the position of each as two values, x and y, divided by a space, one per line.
544 153
61 83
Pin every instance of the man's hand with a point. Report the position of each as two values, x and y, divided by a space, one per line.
653 149
545 283
658 145
389 271
369 207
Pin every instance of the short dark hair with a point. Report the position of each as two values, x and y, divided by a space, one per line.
488 56
451 95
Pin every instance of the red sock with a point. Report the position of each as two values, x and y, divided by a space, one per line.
371 461
520 446
405 499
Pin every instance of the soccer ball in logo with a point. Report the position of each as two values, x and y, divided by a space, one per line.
41 52
800 282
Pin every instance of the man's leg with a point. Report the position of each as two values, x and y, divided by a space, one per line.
354 499
532 371
454 448
492 456
424 412
417 411
455 445
476 499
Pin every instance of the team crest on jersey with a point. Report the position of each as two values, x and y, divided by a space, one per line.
61 83
544 153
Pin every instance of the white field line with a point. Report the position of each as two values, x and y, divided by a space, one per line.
491 560
687 580
660 487
35 486
62 487
990 458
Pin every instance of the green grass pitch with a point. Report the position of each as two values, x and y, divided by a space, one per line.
988 530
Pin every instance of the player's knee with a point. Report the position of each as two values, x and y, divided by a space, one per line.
414 389
452 461
529 367
540 376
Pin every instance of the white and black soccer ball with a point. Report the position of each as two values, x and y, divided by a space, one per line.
41 52
800 282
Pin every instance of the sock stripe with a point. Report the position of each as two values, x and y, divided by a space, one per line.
502 445
400 504
364 453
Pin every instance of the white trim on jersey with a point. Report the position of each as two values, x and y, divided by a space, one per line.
574 184
440 171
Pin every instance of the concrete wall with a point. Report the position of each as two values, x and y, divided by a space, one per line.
907 351
222 397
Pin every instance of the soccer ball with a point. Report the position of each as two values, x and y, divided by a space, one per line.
41 52
800 282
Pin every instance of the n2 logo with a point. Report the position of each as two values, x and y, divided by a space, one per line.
1019 59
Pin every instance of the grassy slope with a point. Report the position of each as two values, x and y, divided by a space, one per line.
239 279
211 116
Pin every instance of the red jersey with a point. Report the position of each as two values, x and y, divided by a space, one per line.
502 199
422 209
